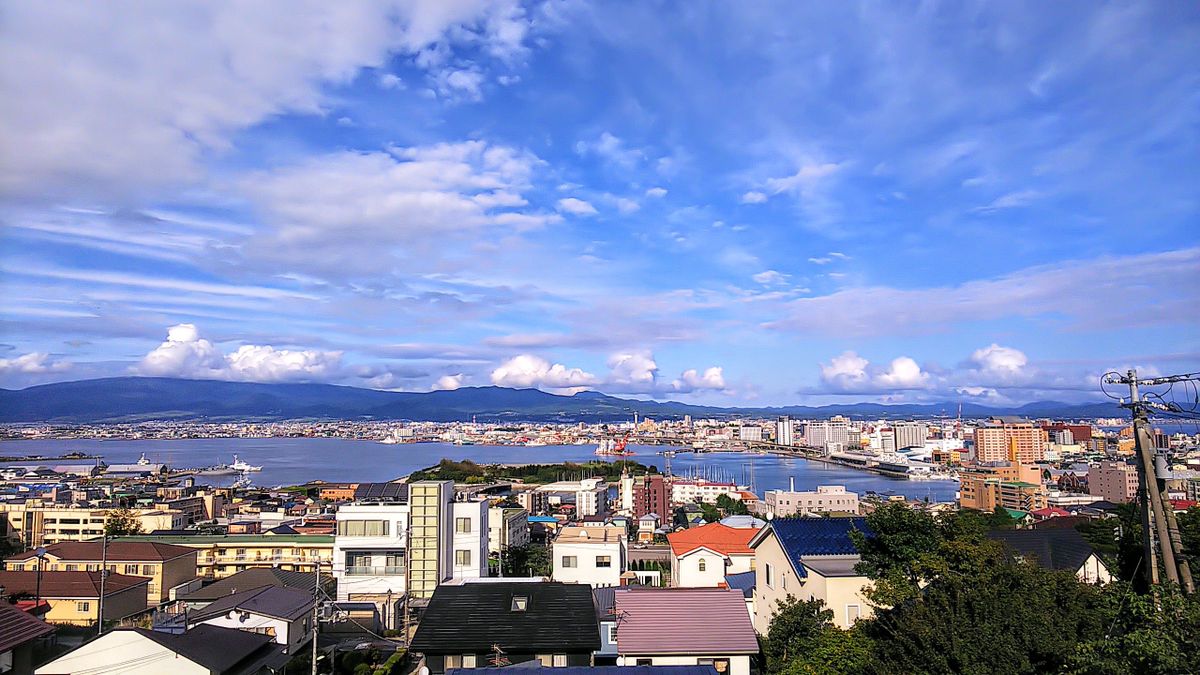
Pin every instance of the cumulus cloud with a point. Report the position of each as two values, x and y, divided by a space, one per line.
753 197
845 371
449 382
185 354
903 373
576 207
527 370
33 363
636 369
611 149
656 192
692 380
81 119
770 278
997 360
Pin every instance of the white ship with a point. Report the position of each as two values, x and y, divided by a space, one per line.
142 461
242 467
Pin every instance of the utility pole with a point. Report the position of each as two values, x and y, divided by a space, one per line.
103 576
1158 515
316 605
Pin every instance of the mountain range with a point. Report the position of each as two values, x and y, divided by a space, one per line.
139 399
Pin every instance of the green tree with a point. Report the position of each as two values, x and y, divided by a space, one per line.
1141 638
802 640
121 522
732 507
531 560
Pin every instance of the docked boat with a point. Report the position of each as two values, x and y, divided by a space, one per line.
607 447
142 461
242 467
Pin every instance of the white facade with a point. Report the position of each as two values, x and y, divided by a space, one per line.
592 497
470 544
911 434
753 434
834 430
707 568
507 528
700 490
784 431
825 499
739 664
288 633
590 555
369 550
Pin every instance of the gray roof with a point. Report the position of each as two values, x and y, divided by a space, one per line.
282 603
604 598
255 577
832 566
221 650
742 581
1057 549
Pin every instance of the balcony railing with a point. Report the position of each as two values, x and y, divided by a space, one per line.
389 571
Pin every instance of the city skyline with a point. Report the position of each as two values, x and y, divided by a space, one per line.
759 204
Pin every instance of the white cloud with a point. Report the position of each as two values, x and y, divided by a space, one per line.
576 207
185 354
770 278
464 84
33 363
449 382
656 192
805 178
712 379
612 149
845 371
527 370
390 81
904 373
754 197
1012 200
99 105
634 369
997 360
820 261
626 205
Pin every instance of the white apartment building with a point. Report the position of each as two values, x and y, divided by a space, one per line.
910 434
591 499
750 433
506 528
834 430
701 490
369 552
594 555
825 499
470 539
784 431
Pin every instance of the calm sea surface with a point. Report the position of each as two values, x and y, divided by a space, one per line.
289 461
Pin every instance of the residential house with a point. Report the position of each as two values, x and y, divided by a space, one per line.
369 552
1056 549
74 597
606 614
204 650
253 578
594 555
470 541
809 558
167 566
648 525
490 622
703 556
284 614
744 582
507 527
685 626
20 632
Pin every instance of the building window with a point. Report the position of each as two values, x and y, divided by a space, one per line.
519 603
645 662
768 577
612 633
147 570
453 661
545 660
569 561
462 557
468 660
560 660
852 614
72 568
702 565
603 561
462 525
83 606
362 528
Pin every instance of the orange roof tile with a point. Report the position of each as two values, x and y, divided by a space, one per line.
715 536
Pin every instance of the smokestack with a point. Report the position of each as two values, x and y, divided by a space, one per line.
792 484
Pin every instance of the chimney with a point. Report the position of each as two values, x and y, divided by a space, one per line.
792 484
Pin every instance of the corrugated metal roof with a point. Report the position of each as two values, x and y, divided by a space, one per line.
17 627
709 621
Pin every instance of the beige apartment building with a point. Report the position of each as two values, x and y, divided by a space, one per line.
37 523
220 556
1010 441
1115 481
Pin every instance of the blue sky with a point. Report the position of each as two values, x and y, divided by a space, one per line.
725 203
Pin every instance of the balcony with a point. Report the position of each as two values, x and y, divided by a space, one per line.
390 571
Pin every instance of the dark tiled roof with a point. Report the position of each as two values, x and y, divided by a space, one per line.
474 616
604 598
67 584
255 577
381 491
118 551
274 601
17 627
742 581
218 649
1051 549
598 670
710 621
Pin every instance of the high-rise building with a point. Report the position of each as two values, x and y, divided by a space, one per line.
783 431
1011 486
834 430
650 493
430 539
910 434
1008 440
1115 481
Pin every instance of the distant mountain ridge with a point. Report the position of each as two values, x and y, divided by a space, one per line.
135 399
